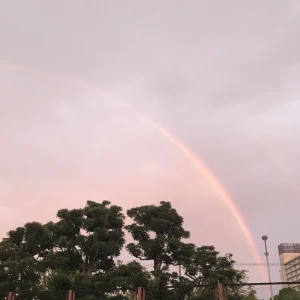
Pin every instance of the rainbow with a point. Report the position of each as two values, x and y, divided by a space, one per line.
213 180
197 162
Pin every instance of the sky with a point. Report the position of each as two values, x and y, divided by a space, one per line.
77 79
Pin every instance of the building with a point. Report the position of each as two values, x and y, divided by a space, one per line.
289 255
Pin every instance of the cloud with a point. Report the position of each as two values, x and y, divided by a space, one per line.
222 77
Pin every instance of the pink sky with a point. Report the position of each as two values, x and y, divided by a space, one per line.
221 78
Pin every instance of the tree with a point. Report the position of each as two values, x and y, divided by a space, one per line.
241 293
250 294
127 276
124 279
79 251
119 283
87 240
22 258
207 267
287 293
158 233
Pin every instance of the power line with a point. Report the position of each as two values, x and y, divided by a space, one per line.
256 264
241 264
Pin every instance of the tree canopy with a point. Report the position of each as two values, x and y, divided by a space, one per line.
87 240
287 293
80 251
158 233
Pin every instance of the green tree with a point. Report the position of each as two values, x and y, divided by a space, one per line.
158 234
22 256
79 252
118 283
123 280
87 240
287 293
250 294
207 267
241 293
127 276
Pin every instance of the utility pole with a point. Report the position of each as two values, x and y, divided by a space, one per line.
264 238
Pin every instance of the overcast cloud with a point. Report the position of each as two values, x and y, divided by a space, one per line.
223 77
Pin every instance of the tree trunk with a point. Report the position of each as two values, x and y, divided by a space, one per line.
90 268
157 266
85 265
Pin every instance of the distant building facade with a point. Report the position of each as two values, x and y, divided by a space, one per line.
289 255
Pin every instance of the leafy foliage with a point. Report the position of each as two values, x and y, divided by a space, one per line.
287 293
158 233
21 257
87 240
79 251
207 267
